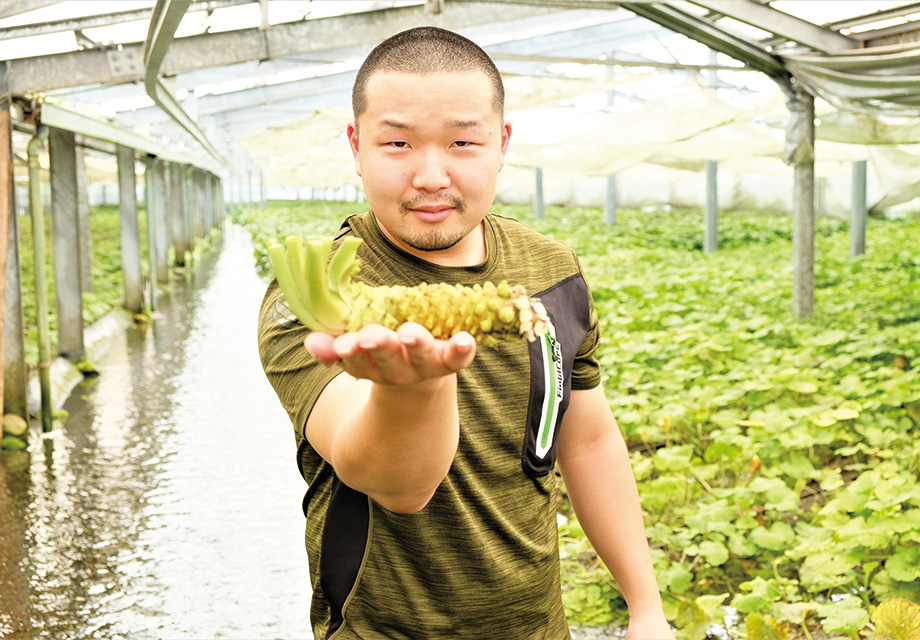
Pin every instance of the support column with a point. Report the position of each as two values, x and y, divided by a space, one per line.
711 222
215 199
177 213
202 202
208 201
610 203
538 206
130 230
261 190
221 202
65 229
191 206
160 226
86 251
15 382
800 153
859 211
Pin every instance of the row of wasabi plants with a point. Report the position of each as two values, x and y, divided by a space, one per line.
777 457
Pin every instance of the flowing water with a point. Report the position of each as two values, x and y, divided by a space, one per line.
167 505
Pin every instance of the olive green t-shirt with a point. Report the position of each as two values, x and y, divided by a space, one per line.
481 559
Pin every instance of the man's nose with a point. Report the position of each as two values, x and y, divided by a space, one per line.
432 172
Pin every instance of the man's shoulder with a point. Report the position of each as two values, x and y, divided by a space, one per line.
522 236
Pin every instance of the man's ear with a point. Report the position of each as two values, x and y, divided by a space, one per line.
506 137
352 132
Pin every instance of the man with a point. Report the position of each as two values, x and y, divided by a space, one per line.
431 501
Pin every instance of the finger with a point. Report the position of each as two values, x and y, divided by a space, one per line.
420 348
385 348
319 345
353 358
459 351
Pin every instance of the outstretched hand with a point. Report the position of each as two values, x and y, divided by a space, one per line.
406 356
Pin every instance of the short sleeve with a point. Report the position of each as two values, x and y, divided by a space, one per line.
297 377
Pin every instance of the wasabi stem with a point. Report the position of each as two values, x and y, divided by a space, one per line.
324 297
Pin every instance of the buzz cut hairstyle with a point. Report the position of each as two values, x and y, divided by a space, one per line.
425 50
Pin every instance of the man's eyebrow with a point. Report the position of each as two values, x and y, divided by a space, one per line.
454 124
395 124
465 124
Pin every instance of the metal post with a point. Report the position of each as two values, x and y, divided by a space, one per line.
800 152
85 239
156 214
41 282
215 200
711 222
65 229
202 203
191 207
261 190
130 230
222 203
859 212
208 200
177 212
151 196
14 397
610 204
538 207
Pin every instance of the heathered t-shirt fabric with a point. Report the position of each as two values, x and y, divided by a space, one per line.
481 559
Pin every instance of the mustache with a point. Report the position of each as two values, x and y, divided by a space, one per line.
455 202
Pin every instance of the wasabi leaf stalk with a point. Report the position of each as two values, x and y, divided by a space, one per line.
323 295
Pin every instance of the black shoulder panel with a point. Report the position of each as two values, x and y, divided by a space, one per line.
552 357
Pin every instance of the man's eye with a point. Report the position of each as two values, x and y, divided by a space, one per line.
399 144
463 143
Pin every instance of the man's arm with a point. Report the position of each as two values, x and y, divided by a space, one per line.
388 424
594 462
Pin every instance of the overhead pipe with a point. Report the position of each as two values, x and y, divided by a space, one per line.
167 14
41 282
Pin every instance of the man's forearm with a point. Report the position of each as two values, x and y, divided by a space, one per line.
602 488
399 444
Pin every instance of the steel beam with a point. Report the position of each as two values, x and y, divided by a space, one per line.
99 20
61 118
91 66
787 26
15 7
712 36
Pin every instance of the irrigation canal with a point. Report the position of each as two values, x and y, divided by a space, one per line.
167 505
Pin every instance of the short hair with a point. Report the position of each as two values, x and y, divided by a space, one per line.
426 50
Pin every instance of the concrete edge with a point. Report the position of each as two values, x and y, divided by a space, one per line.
64 375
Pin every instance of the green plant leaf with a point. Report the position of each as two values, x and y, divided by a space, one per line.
777 537
844 616
904 564
714 552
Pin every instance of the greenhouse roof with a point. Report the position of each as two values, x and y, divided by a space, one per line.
267 84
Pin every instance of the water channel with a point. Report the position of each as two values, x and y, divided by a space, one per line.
167 505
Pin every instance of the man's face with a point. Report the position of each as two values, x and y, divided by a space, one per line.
429 153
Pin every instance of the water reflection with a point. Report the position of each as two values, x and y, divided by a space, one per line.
167 505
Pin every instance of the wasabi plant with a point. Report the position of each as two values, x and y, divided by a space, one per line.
323 295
